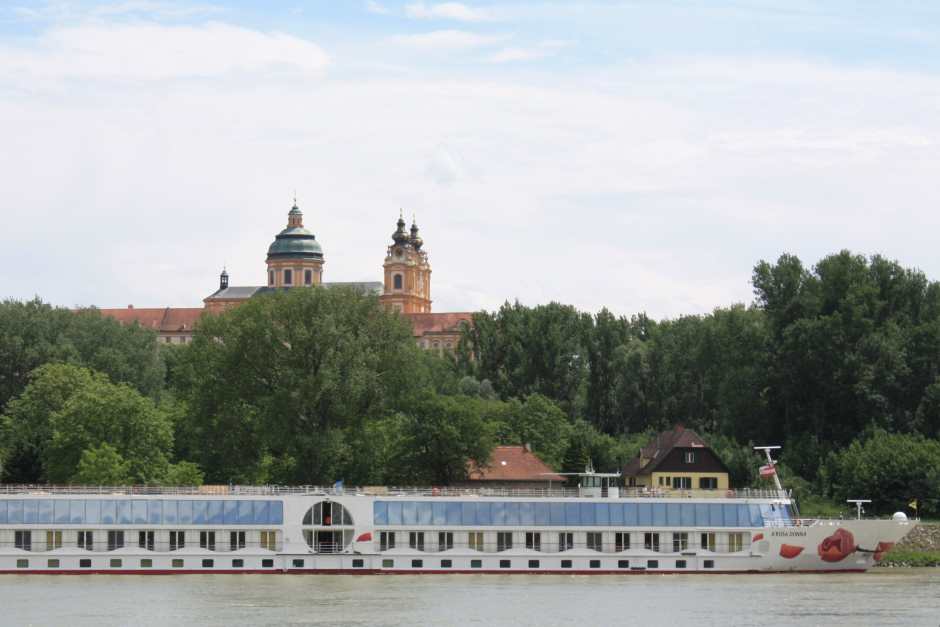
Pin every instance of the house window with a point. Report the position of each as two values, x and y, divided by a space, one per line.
594 541
565 541
651 541
236 540
416 540
680 542
533 540
690 457
708 483
475 540
269 540
386 540
397 282
23 540
207 540
445 540
682 483
145 540
115 540
177 540
621 541
86 540
735 542
288 276
503 540
708 541
308 277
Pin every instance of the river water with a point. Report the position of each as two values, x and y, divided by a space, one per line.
881 597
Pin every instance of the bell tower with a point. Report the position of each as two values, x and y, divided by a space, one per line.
407 272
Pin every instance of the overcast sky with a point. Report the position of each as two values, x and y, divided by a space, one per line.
637 155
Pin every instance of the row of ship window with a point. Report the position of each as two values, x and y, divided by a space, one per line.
566 564
137 511
576 514
615 542
117 562
99 540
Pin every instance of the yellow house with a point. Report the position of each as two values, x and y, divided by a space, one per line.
677 460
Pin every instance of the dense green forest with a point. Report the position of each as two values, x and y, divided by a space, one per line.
839 363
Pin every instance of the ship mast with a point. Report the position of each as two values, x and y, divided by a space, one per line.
771 463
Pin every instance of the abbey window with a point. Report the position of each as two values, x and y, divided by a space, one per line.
288 277
308 277
397 282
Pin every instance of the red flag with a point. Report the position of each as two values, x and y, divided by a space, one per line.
365 537
767 471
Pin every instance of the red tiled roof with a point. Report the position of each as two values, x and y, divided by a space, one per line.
424 323
158 319
512 463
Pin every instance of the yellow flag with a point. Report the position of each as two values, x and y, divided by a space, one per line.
913 505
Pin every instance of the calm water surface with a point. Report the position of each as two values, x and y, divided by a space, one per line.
896 597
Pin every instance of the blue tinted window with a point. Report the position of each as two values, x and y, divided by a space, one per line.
484 514
229 512
631 514
109 512
645 511
454 516
468 514
512 513
659 514
572 514
185 509
15 512
92 512
76 512
601 514
214 512
394 513
586 513
200 512
701 515
543 513
170 511
756 519
527 513
246 513
276 513
30 511
558 514
499 513
715 518
61 510
261 512
687 515
785 513
379 513
616 513
673 518
139 511
439 513
45 511
155 512
3 512
409 513
424 513
125 512
730 512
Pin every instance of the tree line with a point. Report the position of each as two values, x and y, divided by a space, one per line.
838 362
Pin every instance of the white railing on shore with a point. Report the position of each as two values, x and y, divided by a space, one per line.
275 490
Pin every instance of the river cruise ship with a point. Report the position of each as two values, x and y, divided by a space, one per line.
596 528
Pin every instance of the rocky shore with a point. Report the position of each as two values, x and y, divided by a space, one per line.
921 547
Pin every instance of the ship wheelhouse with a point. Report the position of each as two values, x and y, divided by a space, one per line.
328 527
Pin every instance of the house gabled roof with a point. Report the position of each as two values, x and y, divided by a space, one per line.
657 449
166 319
512 463
425 323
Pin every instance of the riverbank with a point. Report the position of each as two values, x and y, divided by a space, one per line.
920 548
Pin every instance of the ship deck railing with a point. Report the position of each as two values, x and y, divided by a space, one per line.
383 491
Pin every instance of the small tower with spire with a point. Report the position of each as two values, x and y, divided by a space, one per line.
223 279
407 286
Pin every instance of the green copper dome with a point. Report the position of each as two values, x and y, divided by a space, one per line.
295 241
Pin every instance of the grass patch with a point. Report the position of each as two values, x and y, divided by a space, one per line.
912 558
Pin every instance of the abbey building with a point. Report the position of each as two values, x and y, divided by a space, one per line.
295 260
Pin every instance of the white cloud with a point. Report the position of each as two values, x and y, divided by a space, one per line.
374 7
148 51
149 9
533 53
447 39
447 11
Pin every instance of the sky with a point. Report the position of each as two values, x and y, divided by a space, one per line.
639 156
